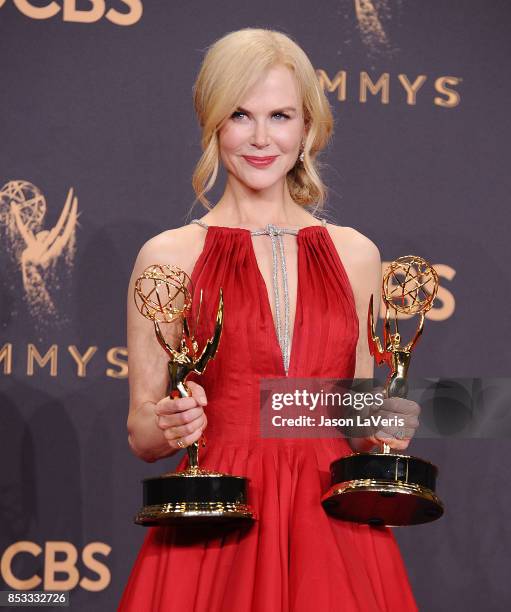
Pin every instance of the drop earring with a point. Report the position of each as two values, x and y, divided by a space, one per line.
300 157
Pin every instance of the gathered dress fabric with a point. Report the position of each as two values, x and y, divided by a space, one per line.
294 557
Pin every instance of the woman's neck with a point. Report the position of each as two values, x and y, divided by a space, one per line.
255 209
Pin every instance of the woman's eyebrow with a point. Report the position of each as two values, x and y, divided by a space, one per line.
277 110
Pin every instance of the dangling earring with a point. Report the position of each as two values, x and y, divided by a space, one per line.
300 157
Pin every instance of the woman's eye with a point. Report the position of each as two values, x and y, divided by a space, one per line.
240 114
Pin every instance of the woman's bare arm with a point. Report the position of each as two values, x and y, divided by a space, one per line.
148 374
362 262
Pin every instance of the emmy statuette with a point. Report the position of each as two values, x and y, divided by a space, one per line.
384 488
163 295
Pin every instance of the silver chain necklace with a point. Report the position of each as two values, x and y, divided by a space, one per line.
275 234
277 245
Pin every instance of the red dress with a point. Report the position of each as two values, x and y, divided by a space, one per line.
295 557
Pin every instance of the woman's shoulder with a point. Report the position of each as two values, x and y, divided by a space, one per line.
180 246
353 245
361 260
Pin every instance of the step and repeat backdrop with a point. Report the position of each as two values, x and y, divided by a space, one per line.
98 144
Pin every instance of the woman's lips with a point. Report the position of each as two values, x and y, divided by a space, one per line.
259 162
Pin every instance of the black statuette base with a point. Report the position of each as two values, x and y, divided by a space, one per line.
194 497
383 489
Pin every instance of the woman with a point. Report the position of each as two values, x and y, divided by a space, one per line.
265 117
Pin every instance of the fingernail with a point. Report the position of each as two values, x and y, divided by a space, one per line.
203 400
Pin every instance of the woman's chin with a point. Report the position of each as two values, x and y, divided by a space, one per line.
259 183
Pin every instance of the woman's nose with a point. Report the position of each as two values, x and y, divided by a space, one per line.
260 136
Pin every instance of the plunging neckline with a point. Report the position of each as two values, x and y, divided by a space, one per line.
264 289
267 303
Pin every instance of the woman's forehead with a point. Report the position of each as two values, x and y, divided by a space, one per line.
277 88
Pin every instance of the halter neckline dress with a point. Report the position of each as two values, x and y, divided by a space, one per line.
294 557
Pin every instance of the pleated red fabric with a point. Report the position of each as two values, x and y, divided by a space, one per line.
294 557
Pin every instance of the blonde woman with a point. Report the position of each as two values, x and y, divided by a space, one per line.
296 291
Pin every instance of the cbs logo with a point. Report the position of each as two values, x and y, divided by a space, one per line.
65 566
71 13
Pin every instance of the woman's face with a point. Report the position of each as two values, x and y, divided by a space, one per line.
268 124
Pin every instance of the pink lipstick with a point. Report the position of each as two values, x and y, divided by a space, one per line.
260 162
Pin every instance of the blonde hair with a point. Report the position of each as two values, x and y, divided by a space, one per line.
232 65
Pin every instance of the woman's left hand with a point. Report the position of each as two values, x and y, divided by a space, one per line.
403 411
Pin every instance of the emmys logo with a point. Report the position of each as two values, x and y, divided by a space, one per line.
35 361
372 18
71 14
36 250
408 88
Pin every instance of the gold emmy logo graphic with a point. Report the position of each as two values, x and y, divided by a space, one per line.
372 19
36 250
371 15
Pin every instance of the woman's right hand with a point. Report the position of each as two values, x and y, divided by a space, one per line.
182 419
